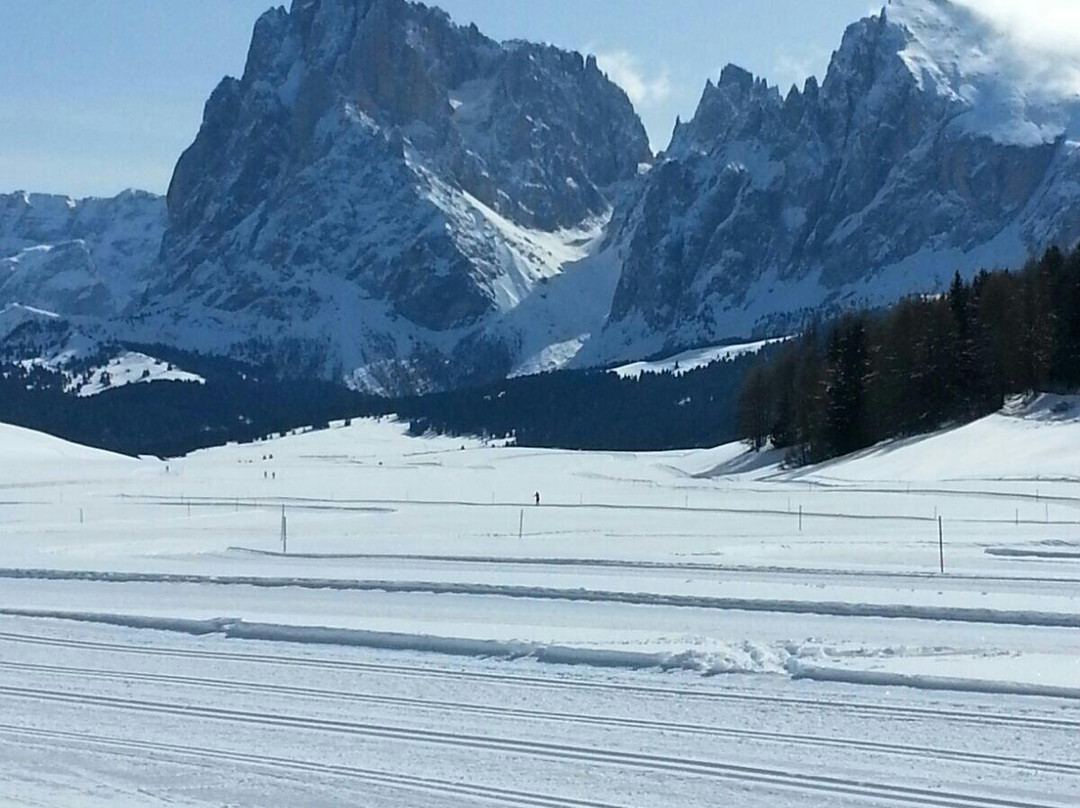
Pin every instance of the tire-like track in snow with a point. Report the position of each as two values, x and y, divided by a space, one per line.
140 750
513 679
778 778
815 741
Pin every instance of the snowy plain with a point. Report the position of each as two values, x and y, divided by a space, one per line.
680 629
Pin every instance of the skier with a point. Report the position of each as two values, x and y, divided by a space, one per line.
537 496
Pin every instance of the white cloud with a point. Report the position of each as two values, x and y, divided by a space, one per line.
1047 26
623 68
1039 40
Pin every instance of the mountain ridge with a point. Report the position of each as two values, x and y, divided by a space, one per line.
392 199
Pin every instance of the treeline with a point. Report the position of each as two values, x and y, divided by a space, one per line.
920 364
238 402
592 409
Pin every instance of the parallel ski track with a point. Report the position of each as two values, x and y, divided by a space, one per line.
779 778
815 741
275 765
867 708
666 566
888 611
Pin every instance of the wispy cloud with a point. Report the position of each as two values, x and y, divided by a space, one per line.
1048 26
623 68
795 66
1039 41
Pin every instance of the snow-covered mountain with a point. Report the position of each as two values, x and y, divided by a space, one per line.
399 201
934 143
379 185
84 257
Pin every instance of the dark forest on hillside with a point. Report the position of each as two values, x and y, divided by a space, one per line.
238 402
593 409
919 364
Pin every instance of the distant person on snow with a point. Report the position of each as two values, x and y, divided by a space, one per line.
537 496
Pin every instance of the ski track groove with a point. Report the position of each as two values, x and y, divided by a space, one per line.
798 781
1037 722
816 741
888 611
138 749
602 563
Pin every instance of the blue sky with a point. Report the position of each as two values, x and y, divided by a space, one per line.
102 95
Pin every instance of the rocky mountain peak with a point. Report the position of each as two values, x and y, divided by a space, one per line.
380 163
929 147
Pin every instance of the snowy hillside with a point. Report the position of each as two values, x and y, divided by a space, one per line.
19 447
691 360
1028 441
130 367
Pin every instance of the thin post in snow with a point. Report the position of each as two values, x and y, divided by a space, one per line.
80 516
521 525
941 543
1047 513
1018 517
284 533
800 518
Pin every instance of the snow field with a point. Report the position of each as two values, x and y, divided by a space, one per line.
433 638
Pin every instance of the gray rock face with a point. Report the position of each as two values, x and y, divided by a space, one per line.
380 183
904 165
83 257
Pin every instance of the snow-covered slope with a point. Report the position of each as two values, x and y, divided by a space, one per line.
19 447
936 143
1031 439
691 360
129 367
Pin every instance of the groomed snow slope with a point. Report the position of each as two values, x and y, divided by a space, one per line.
433 637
